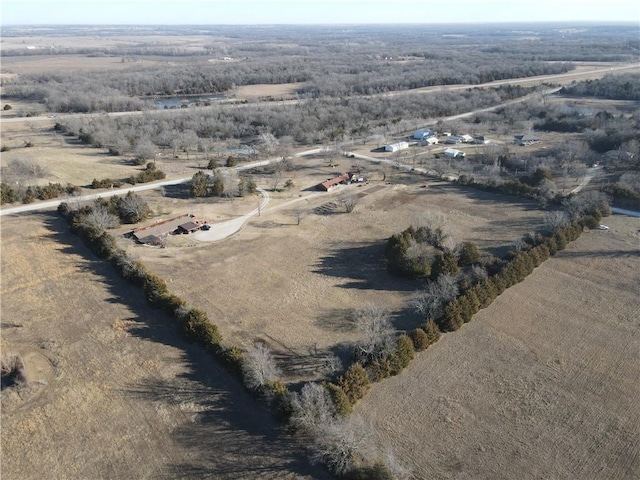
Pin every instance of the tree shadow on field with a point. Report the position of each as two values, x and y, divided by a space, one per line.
180 191
363 265
335 320
232 435
485 196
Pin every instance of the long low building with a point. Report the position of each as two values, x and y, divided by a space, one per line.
394 147
332 182
154 233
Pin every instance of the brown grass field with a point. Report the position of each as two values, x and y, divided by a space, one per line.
295 286
114 392
65 159
542 384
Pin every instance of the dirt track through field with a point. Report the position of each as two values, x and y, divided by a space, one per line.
542 384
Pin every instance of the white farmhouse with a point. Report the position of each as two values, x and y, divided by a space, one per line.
394 147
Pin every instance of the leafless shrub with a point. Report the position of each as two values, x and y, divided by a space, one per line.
477 273
332 364
374 324
556 219
99 219
631 181
259 366
430 301
29 167
337 444
312 408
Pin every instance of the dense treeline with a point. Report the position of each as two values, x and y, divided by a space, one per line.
318 77
615 87
90 223
11 193
310 121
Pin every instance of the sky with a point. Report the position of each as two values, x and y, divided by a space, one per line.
250 12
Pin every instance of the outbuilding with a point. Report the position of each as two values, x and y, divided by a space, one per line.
423 134
453 153
394 147
430 141
527 139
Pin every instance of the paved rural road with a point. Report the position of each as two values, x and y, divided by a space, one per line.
134 188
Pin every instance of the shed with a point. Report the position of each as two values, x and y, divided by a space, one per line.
453 153
394 147
527 139
430 141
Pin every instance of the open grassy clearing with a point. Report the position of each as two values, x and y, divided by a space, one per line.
115 393
66 160
542 384
70 63
294 286
253 92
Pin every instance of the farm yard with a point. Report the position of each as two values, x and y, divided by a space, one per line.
317 272
542 384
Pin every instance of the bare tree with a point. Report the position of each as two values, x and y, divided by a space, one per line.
28 167
556 219
377 334
259 366
99 219
336 445
132 208
267 144
430 301
312 408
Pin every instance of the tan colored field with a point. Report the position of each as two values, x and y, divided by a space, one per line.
68 63
294 286
115 393
542 384
66 160
253 92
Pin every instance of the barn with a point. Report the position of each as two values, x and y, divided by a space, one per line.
423 134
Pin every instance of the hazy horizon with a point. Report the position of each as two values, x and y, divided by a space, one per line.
312 12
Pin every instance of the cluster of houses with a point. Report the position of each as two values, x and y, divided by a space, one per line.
156 233
429 137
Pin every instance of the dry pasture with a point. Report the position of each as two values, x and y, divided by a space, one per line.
115 393
295 286
66 160
542 384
